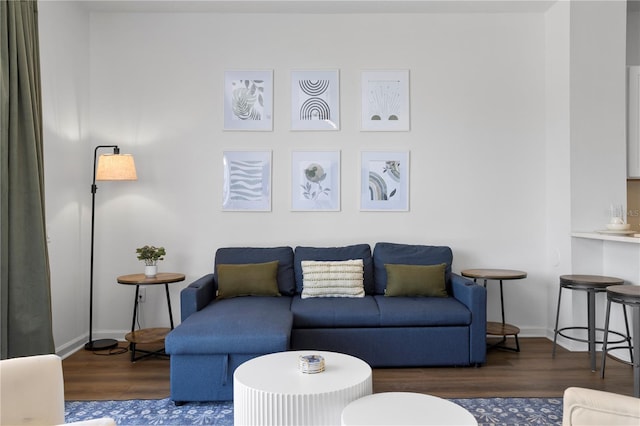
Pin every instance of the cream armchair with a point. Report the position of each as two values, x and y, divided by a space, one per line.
32 392
591 407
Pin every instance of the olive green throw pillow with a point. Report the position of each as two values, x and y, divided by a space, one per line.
251 279
416 280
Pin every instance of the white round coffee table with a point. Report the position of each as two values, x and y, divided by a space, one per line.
271 390
405 408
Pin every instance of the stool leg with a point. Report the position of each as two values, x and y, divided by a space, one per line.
626 324
636 352
502 303
555 330
606 336
591 317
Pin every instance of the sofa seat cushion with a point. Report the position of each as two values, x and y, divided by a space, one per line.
422 311
250 324
338 312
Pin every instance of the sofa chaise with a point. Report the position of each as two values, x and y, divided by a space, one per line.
400 306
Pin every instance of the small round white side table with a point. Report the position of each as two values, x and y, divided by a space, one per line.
405 408
271 390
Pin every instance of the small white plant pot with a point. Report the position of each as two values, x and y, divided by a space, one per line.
151 271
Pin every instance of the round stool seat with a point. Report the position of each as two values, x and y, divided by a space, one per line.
589 281
627 294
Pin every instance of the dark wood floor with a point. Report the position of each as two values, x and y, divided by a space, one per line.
530 373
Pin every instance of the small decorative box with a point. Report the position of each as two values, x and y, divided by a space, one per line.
311 364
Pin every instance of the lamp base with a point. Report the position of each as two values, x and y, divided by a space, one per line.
101 344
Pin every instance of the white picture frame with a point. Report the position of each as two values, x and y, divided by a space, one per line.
384 181
315 181
315 100
385 101
246 181
248 100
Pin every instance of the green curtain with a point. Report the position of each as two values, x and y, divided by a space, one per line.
25 297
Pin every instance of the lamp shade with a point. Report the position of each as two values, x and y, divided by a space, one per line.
116 167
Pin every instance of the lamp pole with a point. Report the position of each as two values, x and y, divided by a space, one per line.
100 344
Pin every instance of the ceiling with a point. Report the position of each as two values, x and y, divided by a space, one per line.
319 6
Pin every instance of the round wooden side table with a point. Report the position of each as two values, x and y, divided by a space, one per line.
498 328
148 335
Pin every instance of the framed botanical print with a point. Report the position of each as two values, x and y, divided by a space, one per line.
315 180
248 100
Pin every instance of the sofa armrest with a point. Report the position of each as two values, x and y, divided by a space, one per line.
197 295
592 407
474 297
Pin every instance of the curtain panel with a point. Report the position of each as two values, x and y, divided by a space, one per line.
25 292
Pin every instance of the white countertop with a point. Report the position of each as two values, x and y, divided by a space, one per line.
608 237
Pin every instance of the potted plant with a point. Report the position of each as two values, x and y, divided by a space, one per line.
150 256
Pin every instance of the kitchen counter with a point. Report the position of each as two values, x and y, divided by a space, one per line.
608 237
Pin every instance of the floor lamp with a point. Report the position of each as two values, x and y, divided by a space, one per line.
114 166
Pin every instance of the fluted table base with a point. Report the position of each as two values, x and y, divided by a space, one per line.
405 408
271 390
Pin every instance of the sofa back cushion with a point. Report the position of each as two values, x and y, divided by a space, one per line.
247 255
332 278
358 251
247 279
416 280
408 254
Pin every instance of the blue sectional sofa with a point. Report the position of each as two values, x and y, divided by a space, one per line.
217 334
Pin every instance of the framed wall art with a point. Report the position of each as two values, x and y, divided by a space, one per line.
385 100
315 181
384 181
246 181
315 103
248 100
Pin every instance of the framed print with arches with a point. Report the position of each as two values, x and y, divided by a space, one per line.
315 103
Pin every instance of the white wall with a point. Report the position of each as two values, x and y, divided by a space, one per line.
480 145
64 52
477 137
586 135
633 33
558 155
598 111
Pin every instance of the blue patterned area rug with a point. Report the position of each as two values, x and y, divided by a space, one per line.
488 411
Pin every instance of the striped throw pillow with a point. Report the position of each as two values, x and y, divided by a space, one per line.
332 278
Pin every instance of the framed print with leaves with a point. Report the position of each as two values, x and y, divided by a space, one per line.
384 181
315 181
246 181
385 100
315 103
248 100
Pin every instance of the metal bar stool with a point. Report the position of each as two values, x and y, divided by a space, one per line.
592 284
627 295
